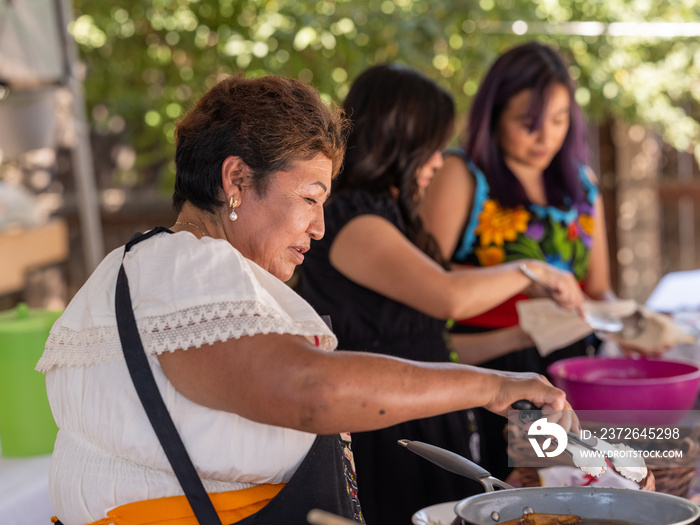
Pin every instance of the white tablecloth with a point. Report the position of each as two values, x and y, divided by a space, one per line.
24 491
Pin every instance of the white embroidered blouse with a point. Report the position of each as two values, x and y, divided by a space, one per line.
186 293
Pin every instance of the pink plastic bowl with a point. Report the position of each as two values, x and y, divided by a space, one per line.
598 383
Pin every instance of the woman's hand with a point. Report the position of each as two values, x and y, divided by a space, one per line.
514 386
632 350
558 284
654 335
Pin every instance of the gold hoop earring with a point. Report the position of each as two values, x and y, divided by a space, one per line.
232 204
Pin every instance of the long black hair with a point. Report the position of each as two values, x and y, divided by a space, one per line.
399 119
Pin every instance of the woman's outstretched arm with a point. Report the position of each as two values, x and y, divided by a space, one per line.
284 380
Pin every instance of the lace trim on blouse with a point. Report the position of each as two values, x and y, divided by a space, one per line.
183 329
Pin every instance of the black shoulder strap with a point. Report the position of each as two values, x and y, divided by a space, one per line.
152 401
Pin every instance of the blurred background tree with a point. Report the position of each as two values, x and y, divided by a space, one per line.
147 59
637 64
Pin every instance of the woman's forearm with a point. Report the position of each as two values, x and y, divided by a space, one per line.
473 291
477 348
373 253
381 391
282 380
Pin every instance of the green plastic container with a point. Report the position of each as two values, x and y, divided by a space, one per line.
27 427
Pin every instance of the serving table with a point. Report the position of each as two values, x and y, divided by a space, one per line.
24 491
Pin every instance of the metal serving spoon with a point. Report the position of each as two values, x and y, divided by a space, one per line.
626 327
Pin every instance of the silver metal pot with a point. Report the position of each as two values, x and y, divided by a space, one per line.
632 506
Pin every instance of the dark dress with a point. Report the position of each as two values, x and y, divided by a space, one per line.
393 483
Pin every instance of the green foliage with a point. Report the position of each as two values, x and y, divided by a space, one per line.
147 59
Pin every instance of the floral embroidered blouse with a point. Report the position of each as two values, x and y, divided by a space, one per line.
494 235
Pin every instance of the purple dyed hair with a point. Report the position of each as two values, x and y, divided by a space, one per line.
537 67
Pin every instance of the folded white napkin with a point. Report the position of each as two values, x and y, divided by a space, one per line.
552 327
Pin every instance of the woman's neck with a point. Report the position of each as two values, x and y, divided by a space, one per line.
198 222
532 181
